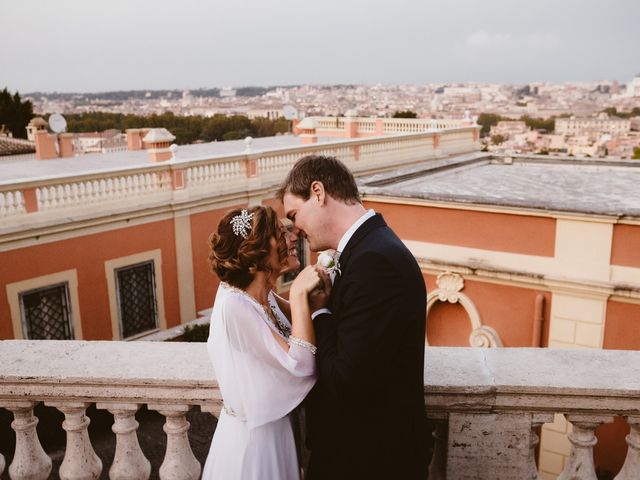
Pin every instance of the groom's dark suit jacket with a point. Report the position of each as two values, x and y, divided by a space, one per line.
365 415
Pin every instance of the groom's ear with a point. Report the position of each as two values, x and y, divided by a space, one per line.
317 192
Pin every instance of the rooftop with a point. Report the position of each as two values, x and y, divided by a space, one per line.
19 169
589 186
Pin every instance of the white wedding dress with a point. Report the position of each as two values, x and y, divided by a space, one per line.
260 384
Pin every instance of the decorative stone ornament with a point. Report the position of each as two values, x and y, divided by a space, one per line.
449 289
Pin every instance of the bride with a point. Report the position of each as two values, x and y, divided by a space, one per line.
262 347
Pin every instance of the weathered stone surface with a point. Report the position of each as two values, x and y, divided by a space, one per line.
492 397
489 446
532 379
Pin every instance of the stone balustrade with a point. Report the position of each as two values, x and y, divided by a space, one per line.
387 126
487 405
189 179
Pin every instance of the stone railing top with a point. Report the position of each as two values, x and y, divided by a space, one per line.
533 370
455 378
532 379
107 362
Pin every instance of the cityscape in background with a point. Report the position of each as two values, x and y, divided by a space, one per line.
582 119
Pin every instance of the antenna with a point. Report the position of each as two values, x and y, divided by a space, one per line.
57 123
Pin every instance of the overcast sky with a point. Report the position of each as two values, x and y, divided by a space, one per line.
88 45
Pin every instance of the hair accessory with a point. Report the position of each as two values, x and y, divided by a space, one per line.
242 223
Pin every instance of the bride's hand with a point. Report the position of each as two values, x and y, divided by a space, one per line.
306 281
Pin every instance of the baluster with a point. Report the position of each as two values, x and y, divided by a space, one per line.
82 192
3 208
2 464
69 194
128 462
52 196
537 419
29 461
103 189
179 461
580 462
20 207
80 460
60 194
136 184
631 468
11 208
438 464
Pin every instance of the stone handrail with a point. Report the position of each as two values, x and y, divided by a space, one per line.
487 404
180 180
388 126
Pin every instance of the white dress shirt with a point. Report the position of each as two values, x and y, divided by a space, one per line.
341 245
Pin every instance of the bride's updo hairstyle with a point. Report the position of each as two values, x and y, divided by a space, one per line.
235 259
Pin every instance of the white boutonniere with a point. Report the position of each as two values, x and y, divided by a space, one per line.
329 262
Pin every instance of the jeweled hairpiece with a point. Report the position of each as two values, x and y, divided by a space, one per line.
242 223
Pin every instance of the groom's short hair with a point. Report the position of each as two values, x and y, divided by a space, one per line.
337 179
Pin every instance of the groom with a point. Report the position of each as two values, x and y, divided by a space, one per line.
365 415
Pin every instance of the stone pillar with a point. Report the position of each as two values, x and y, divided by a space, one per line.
487 446
580 462
29 461
350 126
379 127
30 200
631 468
80 460
129 462
179 462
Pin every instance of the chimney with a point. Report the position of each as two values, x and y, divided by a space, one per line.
46 145
65 142
157 142
307 129
134 139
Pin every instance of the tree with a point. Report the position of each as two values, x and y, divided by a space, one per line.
636 153
534 123
488 120
497 139
404 114
14 113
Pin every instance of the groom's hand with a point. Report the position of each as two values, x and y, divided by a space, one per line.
319 296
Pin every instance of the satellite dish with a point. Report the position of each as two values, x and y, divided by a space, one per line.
57 123
290 112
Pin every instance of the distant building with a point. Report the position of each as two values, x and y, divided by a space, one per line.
270 113
633 88
509 128
593 125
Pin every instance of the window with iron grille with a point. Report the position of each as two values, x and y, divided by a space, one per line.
301 248
46 314
136 290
